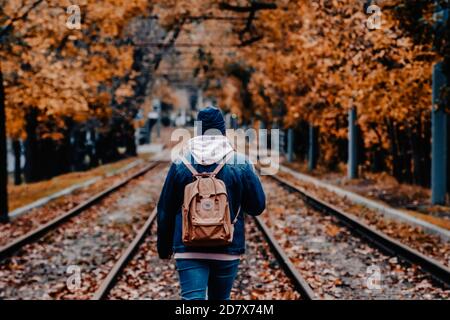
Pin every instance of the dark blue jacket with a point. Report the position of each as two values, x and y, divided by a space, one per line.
244 190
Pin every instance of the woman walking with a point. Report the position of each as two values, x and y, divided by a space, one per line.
201 211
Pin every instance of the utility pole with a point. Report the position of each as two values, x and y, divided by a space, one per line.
234 121
290 145
439 123
352 165
3 157
312 147
157 109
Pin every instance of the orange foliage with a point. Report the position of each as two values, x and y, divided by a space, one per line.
59 70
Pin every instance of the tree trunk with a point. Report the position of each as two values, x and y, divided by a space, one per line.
17 165
3 156
378 153
31 147
405 154
94 151
313 147
130 142
418 140
402 143
64 163
396 161
46 158
425 150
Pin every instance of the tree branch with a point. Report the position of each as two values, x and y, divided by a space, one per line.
251 40
251 9
23 16
254 6
169 44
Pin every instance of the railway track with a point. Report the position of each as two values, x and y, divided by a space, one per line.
299 282
348 227
16 244
113 275
281 267
28 267
37 266
291 279
302 286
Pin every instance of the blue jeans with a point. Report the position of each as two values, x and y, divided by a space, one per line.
199 275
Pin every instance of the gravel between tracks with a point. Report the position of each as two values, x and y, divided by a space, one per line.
428 244
89 243
337 264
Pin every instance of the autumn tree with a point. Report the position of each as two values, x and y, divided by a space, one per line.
312 61
55 75
286 62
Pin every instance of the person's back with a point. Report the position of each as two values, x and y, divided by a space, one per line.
210 269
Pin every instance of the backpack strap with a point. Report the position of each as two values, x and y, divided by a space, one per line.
190 167
222 163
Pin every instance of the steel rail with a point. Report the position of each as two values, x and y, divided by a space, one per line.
437 270
37 233
111 279
291 271
113 275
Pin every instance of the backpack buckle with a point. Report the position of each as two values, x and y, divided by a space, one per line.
204 174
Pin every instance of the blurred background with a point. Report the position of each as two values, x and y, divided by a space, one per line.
358 88
91 92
